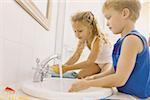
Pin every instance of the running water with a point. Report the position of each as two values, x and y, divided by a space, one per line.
59 62
61 76
60 70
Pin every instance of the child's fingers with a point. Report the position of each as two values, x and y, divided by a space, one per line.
55 69
89 78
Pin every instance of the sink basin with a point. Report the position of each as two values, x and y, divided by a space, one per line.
57 89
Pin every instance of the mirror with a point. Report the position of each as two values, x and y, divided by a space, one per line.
41 5
39 10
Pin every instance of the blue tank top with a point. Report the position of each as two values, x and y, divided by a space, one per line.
138 83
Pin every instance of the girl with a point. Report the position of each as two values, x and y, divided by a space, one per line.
131 57
99 61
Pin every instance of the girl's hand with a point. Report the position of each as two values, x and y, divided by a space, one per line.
55 68
79 85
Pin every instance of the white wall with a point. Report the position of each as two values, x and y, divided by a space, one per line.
143 23
60 27
22 40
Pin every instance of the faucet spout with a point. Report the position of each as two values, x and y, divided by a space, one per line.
42 70
44 62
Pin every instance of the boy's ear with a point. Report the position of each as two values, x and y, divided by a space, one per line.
125 13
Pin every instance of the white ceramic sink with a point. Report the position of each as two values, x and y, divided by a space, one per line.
57 89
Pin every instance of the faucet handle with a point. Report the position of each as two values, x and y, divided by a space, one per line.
37 60
37 64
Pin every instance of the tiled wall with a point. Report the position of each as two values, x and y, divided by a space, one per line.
22 40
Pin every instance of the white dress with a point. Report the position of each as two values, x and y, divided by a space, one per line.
105 54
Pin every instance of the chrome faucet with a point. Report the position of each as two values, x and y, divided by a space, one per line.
42 69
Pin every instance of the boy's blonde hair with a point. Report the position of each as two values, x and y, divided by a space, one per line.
87 18
134 7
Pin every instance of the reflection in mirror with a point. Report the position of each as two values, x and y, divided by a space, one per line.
39 10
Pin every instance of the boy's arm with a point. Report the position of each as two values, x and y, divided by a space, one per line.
131 46
75 57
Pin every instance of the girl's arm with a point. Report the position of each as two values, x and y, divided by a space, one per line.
95 49
75 57
131 46
92 57
106 70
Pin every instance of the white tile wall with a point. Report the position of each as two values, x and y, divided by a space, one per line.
1 53
142 23
11 21
1 26
22 40
11 56
25 63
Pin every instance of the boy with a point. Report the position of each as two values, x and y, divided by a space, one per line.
131 59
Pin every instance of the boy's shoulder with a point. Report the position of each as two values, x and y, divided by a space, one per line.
133 41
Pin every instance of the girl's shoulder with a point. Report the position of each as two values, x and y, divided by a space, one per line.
97 42
104 41
96 39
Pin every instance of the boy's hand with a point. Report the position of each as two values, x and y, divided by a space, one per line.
79 85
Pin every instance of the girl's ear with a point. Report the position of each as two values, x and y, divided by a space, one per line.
125 13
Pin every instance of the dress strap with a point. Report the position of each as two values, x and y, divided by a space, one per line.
93 41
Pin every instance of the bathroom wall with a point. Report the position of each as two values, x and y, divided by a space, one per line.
22 40
143 23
